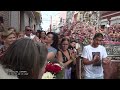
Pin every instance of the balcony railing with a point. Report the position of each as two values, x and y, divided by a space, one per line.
102 13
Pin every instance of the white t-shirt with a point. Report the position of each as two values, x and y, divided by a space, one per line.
88 52
31 36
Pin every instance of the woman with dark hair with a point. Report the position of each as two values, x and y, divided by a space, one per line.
66 57
24 59
42 36
52 45
38 33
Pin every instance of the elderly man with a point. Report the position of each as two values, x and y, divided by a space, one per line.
29 34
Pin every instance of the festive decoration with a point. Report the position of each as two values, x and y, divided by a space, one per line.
48 75
53 71
88 26
85 31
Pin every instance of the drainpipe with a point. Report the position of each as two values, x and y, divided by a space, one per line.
9 18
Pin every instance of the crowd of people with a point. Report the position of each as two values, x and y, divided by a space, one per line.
27 52
84 32
111 33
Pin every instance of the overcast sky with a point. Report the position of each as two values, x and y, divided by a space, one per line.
46 18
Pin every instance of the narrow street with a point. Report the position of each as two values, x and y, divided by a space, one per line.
62 44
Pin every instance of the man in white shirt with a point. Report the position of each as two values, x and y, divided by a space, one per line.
94 56
29 34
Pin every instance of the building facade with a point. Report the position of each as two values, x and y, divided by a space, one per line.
58 21
109 17
20 19
62 20
63 17
55 22
69 17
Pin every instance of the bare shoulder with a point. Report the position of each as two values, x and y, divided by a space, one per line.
59 52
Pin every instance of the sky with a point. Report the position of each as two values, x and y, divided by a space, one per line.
46 18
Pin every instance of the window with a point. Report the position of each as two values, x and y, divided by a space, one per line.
1 19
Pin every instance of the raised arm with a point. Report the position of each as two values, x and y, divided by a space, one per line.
60 59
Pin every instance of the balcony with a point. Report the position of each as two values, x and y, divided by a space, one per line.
103 13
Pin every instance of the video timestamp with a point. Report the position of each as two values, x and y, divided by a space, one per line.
18 73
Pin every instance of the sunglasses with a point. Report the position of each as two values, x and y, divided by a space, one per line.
65 44
28 30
